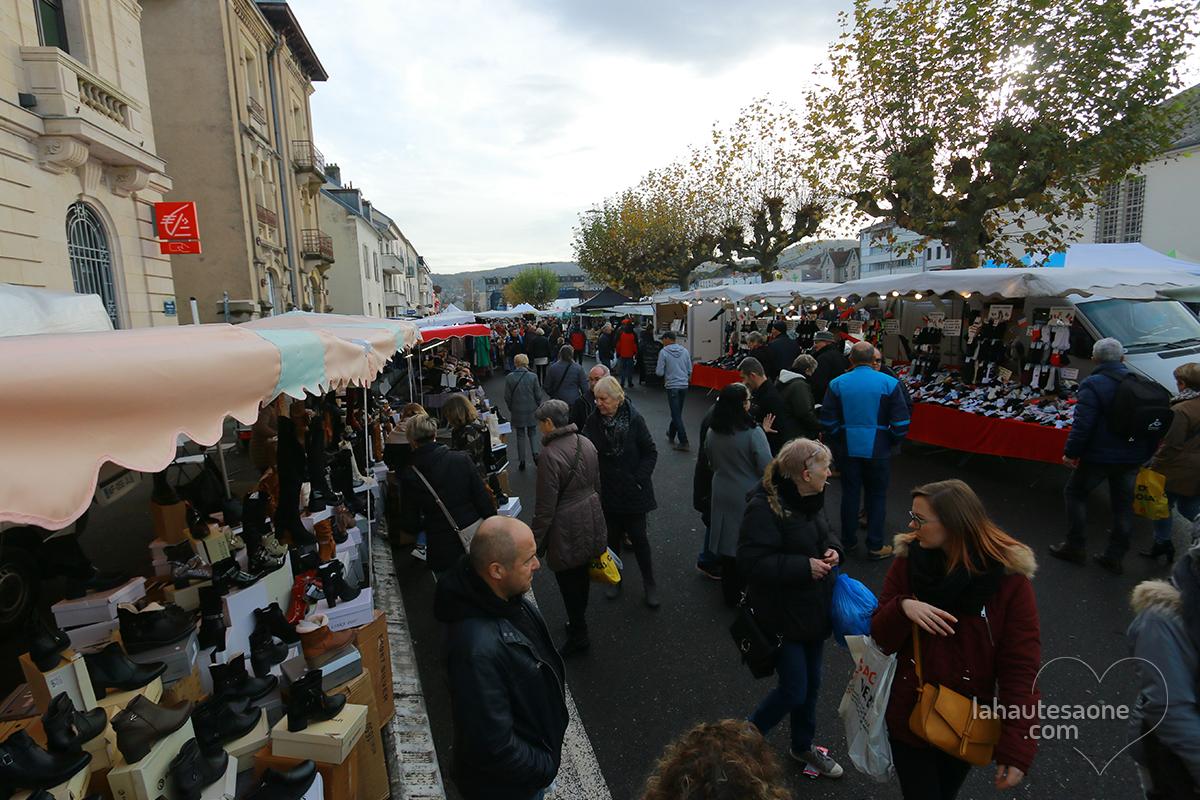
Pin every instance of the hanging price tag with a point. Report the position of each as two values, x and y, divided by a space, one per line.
1000 313
1005 374
1070 374
891 326
854 327
952 327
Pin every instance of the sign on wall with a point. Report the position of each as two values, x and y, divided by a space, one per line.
178 228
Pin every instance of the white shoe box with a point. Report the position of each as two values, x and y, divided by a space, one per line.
510 509
98 606
239 615
348 614
180 658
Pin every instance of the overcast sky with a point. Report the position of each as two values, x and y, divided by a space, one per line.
483 127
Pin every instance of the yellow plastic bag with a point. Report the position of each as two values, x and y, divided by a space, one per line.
1150 495
606 568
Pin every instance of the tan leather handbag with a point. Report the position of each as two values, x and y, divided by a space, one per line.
946 719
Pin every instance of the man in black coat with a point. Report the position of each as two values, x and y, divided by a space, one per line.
761 353
765 402
783 348
605 346
831 362
507 685
583 407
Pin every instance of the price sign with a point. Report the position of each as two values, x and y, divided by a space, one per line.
1070 374
1066 313
1005 374
823 324
952 327
1000 313
891 326
935 319
854 327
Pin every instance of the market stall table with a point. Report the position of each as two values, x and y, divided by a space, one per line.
973 433
714 377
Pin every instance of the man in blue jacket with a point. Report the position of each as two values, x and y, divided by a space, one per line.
1097 455
675 365
864 413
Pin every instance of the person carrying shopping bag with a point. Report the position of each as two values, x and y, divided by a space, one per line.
1178 460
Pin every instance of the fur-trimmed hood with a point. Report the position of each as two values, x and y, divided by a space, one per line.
1024 562
1156 593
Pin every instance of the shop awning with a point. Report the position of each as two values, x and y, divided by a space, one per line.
774 292
380 338
474 329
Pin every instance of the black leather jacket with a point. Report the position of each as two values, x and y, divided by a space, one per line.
506 688
456 480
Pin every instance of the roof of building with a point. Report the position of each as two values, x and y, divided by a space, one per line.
280 15
841 257
1189 131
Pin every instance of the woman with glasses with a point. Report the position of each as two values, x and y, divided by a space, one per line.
962 585
787 553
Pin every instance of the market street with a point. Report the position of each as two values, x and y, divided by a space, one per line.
652 674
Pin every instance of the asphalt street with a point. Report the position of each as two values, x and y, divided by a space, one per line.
652 674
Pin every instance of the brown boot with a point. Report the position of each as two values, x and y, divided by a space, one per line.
142 723
326 546
316 639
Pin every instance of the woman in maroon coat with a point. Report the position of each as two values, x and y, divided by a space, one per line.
965 584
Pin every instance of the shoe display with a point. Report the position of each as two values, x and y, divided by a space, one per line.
112 669
317 639
819 761
95 581
212 618
142 723
1160 549
1068 553
309 703
24 765
236 542
233 680
335 526
222 719
292 473
272 545
265 652
156 625
67 729
272 620
192 770
333 583
290 785
326 546
342 475
186 565
303 590
227 574
1109 563
322 494
46 642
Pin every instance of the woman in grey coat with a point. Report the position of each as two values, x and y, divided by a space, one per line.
523 394
738 454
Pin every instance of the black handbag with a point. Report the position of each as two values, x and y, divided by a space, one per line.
759 650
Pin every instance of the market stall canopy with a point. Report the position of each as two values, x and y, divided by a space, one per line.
606 299
1125 284
774 292
525 308
73 401
380 338
25 310
451 316
643 310
1125 255
471 329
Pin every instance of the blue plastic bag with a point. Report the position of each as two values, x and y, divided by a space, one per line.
853 604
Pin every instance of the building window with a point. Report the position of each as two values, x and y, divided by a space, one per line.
366 262
375 262
1119 218
91 262
52 24
271 293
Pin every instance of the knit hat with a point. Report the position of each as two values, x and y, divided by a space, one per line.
780 326
824 336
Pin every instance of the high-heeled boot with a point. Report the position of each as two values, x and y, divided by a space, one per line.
343 481
1160 549
272 621
291 475
304 589
46 641
334 584
265 652
322 495
212 619
309 703
326 546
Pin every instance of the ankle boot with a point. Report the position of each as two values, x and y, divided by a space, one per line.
309 703
236 542
304 561
186 565
25 765
265 652
335 526
212 619
290 785
291 476
156 625
142 723
232 679
333 583
316 638
326 546
1160 549
46 641
222 719
303 591
192 771
112 669
67 729
272 545
228 575
272 621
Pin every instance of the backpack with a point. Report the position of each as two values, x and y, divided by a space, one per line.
1140 409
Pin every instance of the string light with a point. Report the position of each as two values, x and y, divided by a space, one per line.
895 293
917 296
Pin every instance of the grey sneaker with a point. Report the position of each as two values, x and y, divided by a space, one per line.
819 761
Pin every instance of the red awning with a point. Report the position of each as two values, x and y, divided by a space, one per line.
471 329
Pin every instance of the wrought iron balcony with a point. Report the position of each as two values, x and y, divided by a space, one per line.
266 216
307 157
316 245
256 110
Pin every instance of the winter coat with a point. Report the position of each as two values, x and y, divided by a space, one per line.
582 408
578 340
523 394
796 393
765 400
765 357
1090 437
506 689
675 365
1178 456
626 485
475 440
566 381
775 543
627 345
456 480
784 352
537 346
702 476
604 347
831 362
1159 636
737 462
865 413
567 516
513 346
1001 646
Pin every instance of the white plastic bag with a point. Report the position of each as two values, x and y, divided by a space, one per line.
863 706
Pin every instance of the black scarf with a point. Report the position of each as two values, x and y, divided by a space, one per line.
807 504
958 592
616 430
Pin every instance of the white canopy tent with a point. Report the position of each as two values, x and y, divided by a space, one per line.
25 310
452 315
774 292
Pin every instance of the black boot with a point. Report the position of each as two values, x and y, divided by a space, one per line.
333 583
1160 549
342 473
24 765
233 680
152 627
192 770
577 643
112 669
290 785
186 565
222 719
291 475
272 620
67 729
309 703
212 619
46 641
265 652
227 574
321 494
339 536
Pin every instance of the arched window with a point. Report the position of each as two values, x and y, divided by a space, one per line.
91 262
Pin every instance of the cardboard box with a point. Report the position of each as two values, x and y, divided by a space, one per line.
213 548
338 667
368 753
376 651
242 751
502 476
188 599
170 522
115 701
188 687
510 509
73 789
18 704
339 781
348 614
330 742
226 787
92 636
98 606
148 779
70 676
180 658
279 584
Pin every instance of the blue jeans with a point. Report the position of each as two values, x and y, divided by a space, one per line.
1086 476
675 398
799 681
626 370
707 556
872 475
1188 506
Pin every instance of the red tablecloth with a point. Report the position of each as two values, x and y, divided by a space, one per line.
959 430
713 377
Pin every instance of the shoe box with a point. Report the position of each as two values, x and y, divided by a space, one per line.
510 509
347 552
226 786
188 599
348 613
310 520
97 606
73 789
115 701
242 751
148 778
336 667
170 522
96 635
279 584
189 687
335 781
70 676
329 742
368 753
373 645
180 658
239 615
214 547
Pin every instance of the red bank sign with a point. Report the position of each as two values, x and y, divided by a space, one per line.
176 220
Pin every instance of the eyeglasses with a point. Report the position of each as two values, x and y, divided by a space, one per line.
919 522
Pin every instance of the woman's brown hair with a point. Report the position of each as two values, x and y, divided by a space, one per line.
968 528
726 760
459 411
